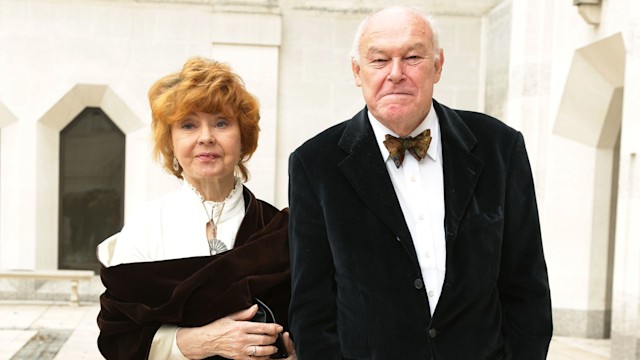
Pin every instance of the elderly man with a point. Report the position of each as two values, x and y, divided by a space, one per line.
414 229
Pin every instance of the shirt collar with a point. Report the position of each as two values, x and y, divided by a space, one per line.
234 201
429 122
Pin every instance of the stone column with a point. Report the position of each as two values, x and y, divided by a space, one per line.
626 296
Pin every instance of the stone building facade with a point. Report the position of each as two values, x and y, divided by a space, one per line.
564 72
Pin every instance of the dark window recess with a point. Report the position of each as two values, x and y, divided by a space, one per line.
92 152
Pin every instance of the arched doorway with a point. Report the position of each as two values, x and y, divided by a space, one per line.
92 160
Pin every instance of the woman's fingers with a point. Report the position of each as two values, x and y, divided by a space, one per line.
235 337
260 340
288 344
262 328
263 351
244 315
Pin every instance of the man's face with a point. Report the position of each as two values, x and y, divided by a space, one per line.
397 69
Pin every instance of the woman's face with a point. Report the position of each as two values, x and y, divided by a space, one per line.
207 146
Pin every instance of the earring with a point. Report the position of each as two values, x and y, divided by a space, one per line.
176 165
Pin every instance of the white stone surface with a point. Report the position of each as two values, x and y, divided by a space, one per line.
510 58
11 341
626 288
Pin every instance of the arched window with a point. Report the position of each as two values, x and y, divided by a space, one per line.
92 155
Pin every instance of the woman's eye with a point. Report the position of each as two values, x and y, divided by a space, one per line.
221 123
187 126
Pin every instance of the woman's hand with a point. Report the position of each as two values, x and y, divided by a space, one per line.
288 344
232 337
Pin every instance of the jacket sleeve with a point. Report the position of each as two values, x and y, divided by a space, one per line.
312 313
523 281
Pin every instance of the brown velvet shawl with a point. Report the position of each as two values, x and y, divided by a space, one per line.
188 292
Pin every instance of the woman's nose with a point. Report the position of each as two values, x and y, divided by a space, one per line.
206 135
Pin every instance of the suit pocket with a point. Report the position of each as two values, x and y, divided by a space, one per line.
498 354
476 256
485 218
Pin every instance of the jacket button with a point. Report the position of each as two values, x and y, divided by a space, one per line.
418 284
433 333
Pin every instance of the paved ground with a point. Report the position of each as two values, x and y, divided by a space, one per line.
46 331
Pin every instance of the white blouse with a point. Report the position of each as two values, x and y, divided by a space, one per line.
174 226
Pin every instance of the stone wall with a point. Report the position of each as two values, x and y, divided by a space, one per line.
519 60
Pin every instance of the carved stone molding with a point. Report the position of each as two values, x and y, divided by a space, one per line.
590 10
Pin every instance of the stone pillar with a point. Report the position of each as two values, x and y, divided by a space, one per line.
18 203
625 332
10 190
581 189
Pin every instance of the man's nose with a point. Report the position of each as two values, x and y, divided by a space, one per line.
396 72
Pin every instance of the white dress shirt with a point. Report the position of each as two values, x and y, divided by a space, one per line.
173 227
419 186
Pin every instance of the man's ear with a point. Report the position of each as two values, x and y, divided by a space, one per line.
438 66
355 67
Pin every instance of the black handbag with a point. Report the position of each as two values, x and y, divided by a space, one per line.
265 315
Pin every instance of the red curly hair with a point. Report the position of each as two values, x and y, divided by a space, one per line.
202 85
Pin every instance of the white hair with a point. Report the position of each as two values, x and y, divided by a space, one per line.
355 55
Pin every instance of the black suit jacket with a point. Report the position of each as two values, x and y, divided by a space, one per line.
357 288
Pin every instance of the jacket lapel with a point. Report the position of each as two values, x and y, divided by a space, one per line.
363 163
365 170
461 168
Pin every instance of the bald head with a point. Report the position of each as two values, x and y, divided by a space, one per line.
397 13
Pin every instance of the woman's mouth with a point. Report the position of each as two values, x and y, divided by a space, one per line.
207 156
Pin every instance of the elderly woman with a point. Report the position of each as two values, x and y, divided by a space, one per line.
185 276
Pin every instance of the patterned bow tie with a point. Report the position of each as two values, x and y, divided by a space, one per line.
417 146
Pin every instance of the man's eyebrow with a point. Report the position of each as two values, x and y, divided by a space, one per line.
417 46
373 50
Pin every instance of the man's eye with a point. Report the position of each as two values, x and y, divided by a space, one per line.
413 59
